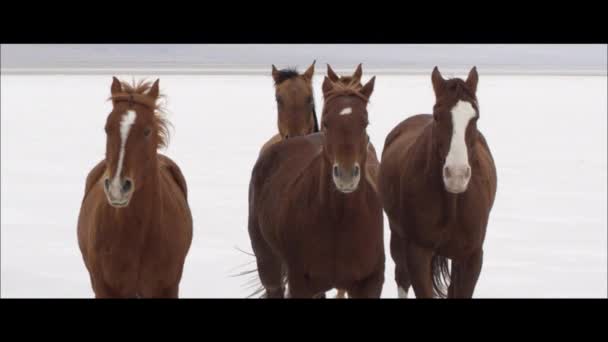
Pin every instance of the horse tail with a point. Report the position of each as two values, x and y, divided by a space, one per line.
441 275
254 283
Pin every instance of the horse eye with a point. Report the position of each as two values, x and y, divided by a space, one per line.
147 131
279 100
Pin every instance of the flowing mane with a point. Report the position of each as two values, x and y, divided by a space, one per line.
137 92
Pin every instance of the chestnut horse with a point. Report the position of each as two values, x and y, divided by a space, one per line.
135 225
295 104
438 184
355 81
315 221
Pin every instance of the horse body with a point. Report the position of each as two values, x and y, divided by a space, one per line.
315 219
136 250
329 237
429 223
434 217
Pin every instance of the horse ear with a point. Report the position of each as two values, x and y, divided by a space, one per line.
275 74
327 85
368 88
472 80
358 73
438 81
331 74
116 86
154 91
310 71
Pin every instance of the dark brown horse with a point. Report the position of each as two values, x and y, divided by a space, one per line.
295 104
315 220
438 184
135 226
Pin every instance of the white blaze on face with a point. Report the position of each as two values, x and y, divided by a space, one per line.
457 171
125 126
346 111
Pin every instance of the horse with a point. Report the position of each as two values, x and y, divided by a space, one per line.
438 182
315 222
296 114
355 81
135 224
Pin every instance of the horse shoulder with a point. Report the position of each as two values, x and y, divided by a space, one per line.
487 167
176 173
408 125
94 176
372 167
275 139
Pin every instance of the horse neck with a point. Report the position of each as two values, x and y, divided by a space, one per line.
426 156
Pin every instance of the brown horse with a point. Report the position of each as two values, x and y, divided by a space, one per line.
353 81
438 184
315 221
135 225
295 104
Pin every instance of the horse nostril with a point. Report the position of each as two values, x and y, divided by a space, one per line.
336 171
356 171
286 136
467 172
106 183
126 186
446 172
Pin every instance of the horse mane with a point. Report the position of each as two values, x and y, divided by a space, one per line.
349 81
286 74
342 89
457 88
141 88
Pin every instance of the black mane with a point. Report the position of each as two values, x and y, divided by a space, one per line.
286 74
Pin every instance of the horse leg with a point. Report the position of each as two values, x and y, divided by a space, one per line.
466 275
268 265
370 287
341 294
398 253
419 267
103 291
455 273
269 270
171 292
298 288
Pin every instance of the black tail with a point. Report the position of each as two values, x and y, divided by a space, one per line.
254 283
441 276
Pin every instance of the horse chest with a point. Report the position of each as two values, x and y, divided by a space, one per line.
337 250
455 226
129 258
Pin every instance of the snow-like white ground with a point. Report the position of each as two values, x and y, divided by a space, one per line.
547 235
